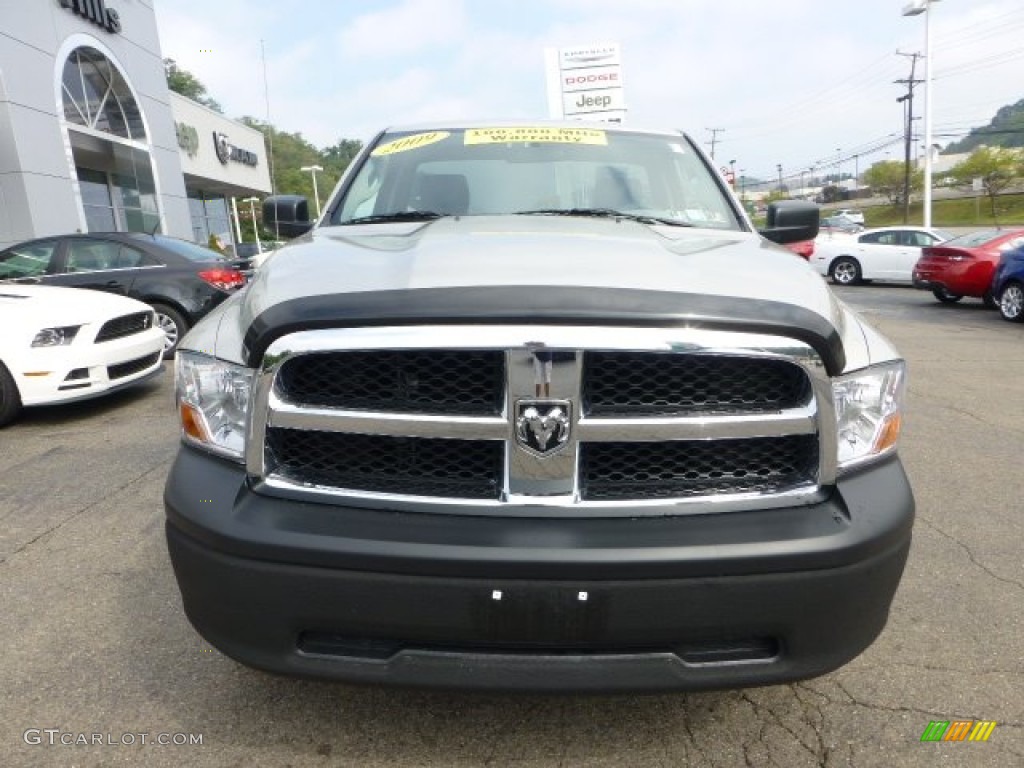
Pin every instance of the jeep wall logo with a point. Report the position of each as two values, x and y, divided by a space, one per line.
226 151
543 426
188 138
95 11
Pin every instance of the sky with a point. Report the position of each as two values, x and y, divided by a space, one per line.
797 83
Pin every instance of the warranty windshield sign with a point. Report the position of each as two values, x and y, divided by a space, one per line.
536 134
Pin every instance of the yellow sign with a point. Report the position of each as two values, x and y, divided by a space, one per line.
406 143
543 134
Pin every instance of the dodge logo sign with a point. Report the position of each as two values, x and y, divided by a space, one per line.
220 142
543 426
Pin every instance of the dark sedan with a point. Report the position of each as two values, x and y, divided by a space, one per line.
1008 286
182 281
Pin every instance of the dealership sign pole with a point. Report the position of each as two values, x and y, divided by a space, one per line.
585 82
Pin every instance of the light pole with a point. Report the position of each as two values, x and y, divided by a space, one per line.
316 193
779 167
915 8
252 210
839 170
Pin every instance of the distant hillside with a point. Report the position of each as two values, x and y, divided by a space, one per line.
1005 130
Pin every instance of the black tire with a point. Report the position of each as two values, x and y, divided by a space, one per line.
1011 302
173 324
945 296
845 271
10 398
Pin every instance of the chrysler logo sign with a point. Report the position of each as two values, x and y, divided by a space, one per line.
226 151
95 11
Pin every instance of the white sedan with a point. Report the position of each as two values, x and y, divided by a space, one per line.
886 253
61 344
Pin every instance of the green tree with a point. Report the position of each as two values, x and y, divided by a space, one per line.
183 82
887 178
830 193
996 167
293 152
339 155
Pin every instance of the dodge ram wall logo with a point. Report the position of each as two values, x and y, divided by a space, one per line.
220 143
543 426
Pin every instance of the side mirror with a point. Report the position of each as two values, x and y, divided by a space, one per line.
287 214
791 221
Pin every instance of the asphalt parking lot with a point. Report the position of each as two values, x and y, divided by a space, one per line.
95 643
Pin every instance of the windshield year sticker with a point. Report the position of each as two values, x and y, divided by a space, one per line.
541 134
407 143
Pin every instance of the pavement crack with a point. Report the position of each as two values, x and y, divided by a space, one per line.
74 515
817 724
760 711
970 554
884 708
704 759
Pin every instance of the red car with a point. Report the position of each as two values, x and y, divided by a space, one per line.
804 248
964 265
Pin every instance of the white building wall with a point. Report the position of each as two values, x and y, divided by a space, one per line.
204 163
38 194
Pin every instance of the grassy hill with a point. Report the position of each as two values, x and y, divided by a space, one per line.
959 212
1006 129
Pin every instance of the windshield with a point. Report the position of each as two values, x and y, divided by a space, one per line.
546 171
191 251
974 239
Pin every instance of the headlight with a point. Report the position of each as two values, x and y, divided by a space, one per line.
56 337
213 402
869 411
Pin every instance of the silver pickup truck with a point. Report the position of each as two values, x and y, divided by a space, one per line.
536 407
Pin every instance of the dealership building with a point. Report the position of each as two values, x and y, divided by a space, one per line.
91 139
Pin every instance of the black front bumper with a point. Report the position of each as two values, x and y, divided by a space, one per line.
684 603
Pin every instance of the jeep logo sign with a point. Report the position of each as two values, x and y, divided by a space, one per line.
95 11
188 138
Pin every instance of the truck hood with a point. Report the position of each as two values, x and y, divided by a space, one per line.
539 268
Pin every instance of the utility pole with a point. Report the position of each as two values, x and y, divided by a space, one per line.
714 138
779 167
908 128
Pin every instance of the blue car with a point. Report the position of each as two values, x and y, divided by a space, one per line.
1008 285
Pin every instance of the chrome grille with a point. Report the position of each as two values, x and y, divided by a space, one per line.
403 381
686 468
662 420
469 469
625 383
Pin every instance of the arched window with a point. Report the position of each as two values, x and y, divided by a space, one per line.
96 96
109 147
